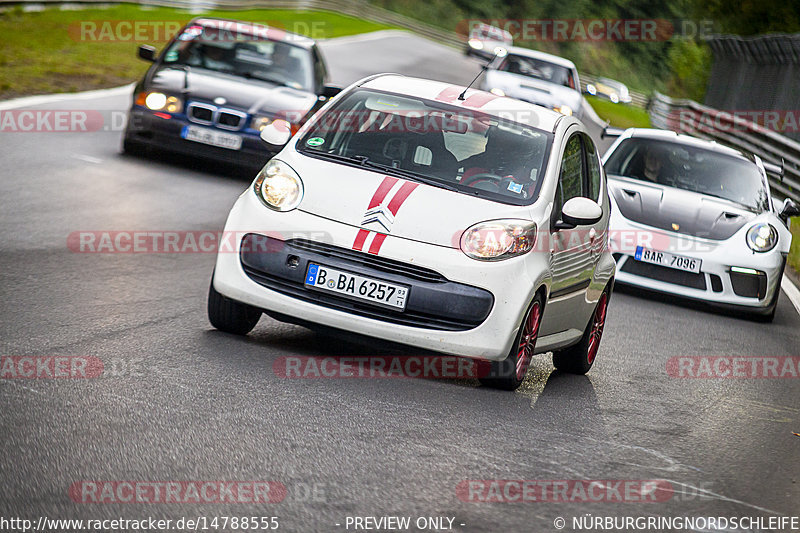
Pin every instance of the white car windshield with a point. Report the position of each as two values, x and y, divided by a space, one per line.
246 56
690 168
433 142
539 69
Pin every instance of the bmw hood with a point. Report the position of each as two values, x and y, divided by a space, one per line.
251 96
392 205
678 210
532 90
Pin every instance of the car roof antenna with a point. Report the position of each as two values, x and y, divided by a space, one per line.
498 52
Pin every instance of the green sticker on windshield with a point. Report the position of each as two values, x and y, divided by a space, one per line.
315 141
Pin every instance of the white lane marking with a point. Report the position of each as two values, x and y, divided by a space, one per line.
29 101
87 158
791 291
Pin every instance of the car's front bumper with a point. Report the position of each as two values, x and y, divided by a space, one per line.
159 132
731 275
469 290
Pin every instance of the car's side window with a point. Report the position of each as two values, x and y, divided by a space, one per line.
593 170
572 178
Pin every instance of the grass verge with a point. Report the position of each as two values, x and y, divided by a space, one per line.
54 51
619 115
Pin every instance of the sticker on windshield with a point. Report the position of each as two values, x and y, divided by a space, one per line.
315 141
515 187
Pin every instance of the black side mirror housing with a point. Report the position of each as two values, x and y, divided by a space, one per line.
329 91
790 209
148 53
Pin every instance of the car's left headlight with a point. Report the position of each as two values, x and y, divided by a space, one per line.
278 186
564 110
762 237
498 239
158 101
476 44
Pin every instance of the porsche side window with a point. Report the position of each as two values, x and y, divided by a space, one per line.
571 181
593 169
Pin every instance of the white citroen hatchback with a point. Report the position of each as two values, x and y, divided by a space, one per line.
440 217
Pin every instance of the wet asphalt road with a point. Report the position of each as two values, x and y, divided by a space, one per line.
180 401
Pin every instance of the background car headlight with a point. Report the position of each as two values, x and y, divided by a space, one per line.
564 110
157 101
259 122
278 186
498 239
498 92
591 89
476 44
762 237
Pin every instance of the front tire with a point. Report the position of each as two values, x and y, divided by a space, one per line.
229 315
578 359
509 373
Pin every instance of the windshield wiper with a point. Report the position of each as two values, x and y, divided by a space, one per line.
249 74
364 161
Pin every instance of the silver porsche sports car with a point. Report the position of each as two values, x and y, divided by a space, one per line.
696 219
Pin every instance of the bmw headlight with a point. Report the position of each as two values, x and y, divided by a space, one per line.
496 240
762 237
157 101
278 186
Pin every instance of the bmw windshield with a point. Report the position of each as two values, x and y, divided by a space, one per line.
433 142
242 55
691 168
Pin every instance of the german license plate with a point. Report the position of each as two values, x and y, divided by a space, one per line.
667 259
212 137
356 286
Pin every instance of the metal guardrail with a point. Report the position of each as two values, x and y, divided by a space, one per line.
687 116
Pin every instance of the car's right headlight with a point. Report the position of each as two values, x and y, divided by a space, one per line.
496 240
278 186
762 237
260 122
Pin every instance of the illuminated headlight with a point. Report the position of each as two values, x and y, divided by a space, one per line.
498 92
498 239
476 44
564 110
278 186
259 123
591 89
614 98
157 101
762 237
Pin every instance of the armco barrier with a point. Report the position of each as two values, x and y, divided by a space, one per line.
687 116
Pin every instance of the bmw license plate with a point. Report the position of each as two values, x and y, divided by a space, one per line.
212 137
667 259
356 286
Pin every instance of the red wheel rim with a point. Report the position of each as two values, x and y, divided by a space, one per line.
527 341
598 322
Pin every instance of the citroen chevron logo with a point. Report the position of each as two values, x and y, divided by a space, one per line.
381 211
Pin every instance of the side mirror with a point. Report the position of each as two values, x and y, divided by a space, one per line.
789 210
608 131
276 134
579 211
329 91
148 53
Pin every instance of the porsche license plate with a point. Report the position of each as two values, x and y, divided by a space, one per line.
678 262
